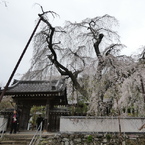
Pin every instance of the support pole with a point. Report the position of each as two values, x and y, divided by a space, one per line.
6 87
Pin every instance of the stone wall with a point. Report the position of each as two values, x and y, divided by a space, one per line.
101 124
92 139
81 130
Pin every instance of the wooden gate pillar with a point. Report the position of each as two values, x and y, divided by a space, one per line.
46 120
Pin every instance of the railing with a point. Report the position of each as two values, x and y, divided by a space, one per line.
37 135
2 127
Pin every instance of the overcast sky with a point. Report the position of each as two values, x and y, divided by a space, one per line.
18 19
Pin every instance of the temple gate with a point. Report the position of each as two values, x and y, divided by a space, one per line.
47 93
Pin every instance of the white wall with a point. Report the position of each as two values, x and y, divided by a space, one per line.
100 124
2 121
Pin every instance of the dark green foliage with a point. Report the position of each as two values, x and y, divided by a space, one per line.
90 138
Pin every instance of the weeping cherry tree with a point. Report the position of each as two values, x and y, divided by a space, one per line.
85 52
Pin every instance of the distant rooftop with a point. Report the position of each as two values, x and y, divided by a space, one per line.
36 86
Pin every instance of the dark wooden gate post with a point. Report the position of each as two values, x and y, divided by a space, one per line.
46 121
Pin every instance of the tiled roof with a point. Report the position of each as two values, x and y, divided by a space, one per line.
20 86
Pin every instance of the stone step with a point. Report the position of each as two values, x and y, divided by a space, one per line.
8 142
18 136
16 139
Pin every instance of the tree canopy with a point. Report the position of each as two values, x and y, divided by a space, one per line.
87 53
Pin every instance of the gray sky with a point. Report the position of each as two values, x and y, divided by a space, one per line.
18 20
